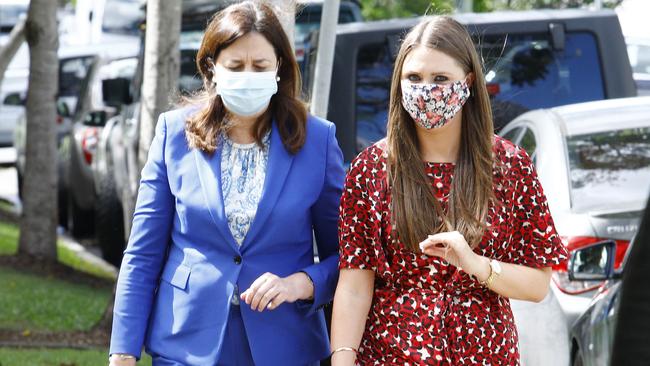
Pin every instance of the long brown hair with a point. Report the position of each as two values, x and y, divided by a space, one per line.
413 196
290 114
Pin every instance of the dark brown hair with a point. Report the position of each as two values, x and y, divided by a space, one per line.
413 197
290 114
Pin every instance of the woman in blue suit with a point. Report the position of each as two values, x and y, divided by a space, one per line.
220 268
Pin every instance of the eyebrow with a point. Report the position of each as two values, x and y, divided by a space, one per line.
239 61
406 71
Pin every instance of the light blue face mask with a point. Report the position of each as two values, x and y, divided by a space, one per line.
245 93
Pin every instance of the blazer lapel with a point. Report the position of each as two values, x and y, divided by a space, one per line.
209 170
277 169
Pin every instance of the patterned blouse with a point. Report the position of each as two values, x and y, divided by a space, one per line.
243 169
424 310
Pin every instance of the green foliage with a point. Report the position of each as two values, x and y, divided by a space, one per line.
387 9
547 4
58 357
483 6
31 302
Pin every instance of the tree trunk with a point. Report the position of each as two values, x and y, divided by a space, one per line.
39 221
161 67
7 53
325 58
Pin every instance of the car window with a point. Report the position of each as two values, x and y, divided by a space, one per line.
528 142
525 72
374 69
72 72
513 135
639 58
609 169
189 79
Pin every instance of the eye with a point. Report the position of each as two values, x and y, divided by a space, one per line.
233 68
414 78
440 79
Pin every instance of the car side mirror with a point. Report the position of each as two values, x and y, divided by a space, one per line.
62 109
96 119
593 263
117 92
13 99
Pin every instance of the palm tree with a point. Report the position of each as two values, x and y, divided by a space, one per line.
161 67
39 219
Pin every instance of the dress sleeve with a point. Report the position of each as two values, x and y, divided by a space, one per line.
359 218
534 242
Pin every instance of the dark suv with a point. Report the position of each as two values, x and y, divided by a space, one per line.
532 59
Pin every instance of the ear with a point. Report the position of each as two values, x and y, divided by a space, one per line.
471 77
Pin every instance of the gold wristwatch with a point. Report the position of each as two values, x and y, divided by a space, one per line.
495 271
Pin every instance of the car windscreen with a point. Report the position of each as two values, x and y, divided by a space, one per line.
308 19
189 80
523 72
609 169
10 14
123 16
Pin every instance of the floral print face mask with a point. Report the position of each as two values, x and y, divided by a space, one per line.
434 105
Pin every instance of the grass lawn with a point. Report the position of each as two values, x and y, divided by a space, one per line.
36 303
9 245
31 302
57 357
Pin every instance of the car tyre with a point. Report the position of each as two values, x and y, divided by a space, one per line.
577 358
109 221
20 184
62 207
80 221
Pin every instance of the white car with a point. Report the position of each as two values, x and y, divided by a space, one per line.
593 160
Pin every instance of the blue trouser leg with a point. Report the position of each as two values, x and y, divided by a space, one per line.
235 350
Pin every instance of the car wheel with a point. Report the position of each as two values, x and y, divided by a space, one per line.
109 222
62 207
577 358
80 221
20 185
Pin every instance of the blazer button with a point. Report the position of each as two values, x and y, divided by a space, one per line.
237 259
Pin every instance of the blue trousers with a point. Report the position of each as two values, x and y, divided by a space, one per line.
235 350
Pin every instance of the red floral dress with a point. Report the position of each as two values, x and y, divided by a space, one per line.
424 310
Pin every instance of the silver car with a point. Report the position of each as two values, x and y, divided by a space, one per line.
593 160
592 335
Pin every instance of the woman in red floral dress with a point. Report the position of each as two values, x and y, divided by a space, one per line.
441 223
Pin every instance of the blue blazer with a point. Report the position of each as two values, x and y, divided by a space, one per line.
181 264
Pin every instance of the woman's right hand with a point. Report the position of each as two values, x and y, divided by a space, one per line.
116 361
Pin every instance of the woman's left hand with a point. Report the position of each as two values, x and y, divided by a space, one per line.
270 291
453 248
